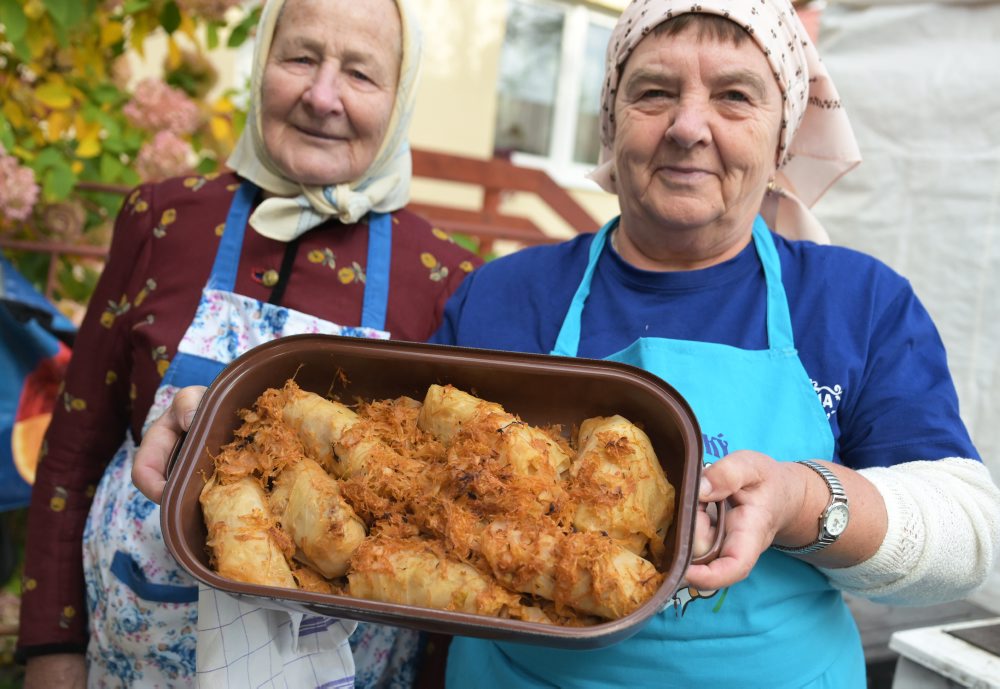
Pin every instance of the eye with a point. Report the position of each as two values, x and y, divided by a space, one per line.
360 76
653 94
736 96
301 60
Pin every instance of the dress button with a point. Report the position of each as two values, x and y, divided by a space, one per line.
270 278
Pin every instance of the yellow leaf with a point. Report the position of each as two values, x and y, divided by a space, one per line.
39 39
222 130
111 32
76 166
174 58
13 114
34 9
58 122
23 154
89 147
54 95
223 106
84 127
188 27
141 28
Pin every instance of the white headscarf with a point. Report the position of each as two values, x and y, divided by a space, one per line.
817 145
296 208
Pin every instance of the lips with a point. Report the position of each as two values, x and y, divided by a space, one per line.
319 134
683 174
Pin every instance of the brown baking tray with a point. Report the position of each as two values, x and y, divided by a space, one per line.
540 389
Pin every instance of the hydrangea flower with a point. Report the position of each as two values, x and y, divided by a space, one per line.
165 155
18 189
157 107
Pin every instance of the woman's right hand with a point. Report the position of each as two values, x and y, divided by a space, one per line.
149 470
67 670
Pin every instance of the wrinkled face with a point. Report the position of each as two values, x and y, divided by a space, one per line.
329 86
698 121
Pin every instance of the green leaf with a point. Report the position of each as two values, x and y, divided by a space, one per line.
170 17
133 139
134 6
111 168
241 31
107 94
130 177
6 134
48 158
14 20
206 166
58 182
212 35
22 50
66 13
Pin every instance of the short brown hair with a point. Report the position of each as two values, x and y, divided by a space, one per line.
713 26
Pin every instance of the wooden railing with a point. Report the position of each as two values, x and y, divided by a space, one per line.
487 224
495 176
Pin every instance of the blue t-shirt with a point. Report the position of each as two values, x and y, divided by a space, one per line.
875 357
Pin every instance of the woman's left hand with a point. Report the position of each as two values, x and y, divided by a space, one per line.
765 497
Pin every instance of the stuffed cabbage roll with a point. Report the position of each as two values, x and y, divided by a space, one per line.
245 542
309 505
619 486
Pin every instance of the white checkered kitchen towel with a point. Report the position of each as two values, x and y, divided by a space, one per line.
244 645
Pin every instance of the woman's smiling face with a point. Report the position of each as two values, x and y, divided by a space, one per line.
329 87
697 126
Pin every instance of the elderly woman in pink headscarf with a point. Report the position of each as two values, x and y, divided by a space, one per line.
830 421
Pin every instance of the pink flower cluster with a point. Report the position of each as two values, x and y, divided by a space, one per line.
209 9
156 106
165 155
18 189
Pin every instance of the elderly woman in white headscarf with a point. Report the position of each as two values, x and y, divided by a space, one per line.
307 234
829 417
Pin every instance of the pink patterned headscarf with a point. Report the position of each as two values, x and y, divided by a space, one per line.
817 145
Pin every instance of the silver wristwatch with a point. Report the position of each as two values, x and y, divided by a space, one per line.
833 521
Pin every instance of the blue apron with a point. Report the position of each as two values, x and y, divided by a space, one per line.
782 627
142 604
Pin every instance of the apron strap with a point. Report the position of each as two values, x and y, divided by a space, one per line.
779 319
227 258
376 300
568 341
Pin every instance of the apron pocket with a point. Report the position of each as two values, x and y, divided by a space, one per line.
128 572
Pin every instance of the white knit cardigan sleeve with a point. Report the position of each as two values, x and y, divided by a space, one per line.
943 537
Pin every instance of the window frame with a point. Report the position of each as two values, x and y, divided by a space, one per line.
559 163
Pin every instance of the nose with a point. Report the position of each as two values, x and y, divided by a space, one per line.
689 126
323 96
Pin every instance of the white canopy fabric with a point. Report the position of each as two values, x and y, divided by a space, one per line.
921 84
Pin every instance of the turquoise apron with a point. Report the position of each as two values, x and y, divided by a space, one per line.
782 627
142 604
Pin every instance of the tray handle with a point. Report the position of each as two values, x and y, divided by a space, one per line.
172 460
722 507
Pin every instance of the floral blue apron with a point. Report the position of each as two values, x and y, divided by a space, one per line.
143 608
782 627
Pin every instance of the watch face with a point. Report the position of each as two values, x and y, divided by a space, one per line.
836 519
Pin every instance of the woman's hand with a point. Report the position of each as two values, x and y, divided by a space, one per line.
149 470
765 498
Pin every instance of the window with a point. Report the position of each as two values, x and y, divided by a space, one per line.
549 89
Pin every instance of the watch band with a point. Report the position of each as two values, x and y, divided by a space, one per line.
832 521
